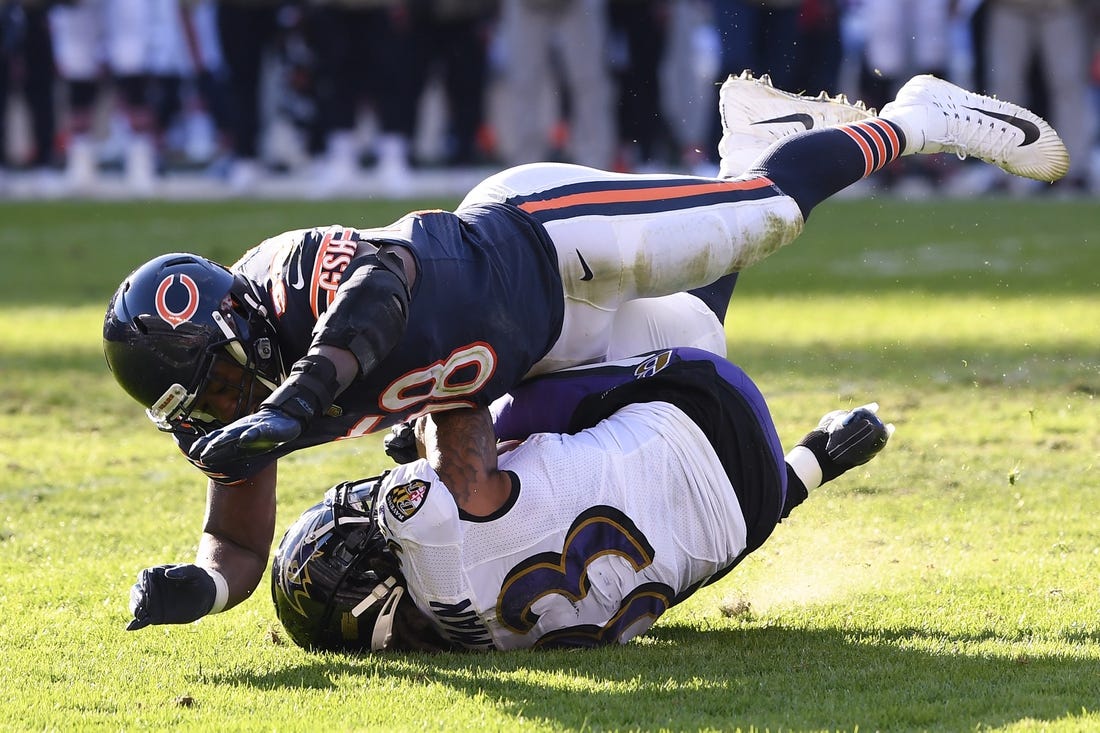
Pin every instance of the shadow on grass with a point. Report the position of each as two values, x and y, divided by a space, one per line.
769 678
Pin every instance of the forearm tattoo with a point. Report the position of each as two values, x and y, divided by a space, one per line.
464 453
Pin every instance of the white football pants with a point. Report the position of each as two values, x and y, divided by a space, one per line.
621 237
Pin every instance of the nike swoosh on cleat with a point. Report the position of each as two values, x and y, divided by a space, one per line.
584 266
1030 129
806 120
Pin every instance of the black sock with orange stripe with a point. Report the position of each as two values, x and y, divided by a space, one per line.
812 166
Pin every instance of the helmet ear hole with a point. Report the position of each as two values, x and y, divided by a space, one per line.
238 307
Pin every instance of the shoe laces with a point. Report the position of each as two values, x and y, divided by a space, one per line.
967 136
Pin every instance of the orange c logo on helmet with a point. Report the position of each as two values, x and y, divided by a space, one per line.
176 317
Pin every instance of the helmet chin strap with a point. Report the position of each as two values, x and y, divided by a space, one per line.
388 592
248 293
233 346
383 627
234 342
380 593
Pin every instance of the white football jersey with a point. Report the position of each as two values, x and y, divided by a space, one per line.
604 531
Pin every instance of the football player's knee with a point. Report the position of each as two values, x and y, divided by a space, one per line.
679 252
659 323
762 230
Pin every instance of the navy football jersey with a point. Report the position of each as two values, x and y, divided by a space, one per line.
486 305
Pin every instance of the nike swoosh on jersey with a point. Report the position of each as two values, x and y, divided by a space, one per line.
1030 129
584 266
299 281
801 117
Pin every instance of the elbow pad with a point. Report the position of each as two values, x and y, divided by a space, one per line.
369 313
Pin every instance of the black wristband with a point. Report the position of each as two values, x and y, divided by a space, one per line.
818 441
308 391
796 491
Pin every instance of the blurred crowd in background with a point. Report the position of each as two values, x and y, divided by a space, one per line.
323 98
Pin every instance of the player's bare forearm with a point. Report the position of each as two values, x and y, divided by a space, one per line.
238 531
461 446
242 569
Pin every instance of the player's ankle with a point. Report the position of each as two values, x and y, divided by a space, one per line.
912 122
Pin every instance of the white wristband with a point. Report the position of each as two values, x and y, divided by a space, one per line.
804 463
221 590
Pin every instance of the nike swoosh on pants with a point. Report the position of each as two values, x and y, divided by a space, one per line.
584 266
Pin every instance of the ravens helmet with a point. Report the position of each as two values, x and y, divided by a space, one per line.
169 322
335 583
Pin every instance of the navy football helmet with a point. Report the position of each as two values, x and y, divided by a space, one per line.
334 581
170 321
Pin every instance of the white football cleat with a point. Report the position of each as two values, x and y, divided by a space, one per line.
939 117
755 114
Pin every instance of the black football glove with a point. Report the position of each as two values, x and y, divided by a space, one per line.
846 439
306 393
171 594
400 444
252 435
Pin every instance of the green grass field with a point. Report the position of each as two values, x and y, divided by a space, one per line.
952 584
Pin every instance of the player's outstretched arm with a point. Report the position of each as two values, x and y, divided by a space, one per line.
231 561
